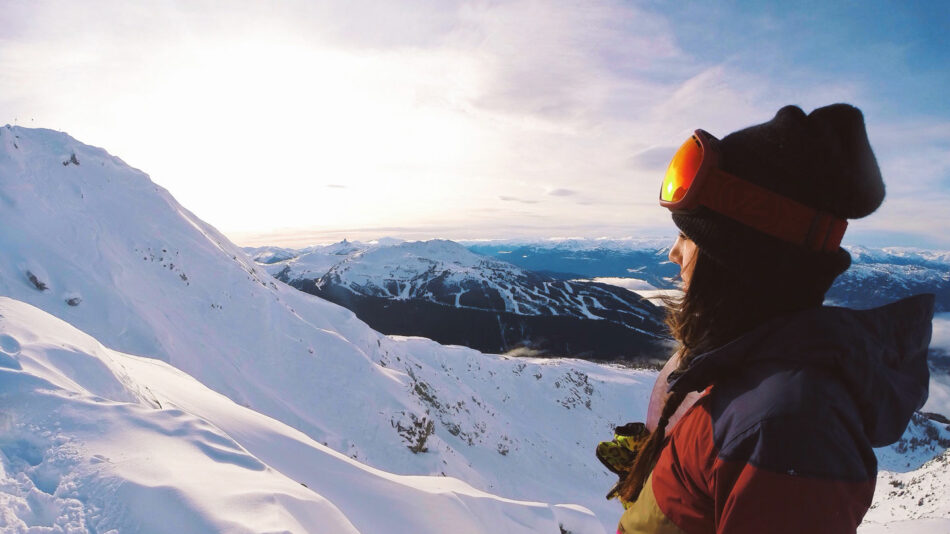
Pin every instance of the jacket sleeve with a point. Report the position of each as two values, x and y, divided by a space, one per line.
790 475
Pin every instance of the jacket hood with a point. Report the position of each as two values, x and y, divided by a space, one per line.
879 354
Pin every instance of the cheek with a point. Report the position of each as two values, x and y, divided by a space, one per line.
689 259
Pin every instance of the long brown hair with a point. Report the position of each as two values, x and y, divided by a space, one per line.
718 306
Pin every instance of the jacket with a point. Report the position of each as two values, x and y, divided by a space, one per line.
781 441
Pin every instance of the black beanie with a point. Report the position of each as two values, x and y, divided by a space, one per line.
824 161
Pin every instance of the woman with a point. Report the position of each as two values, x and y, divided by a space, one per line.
764 419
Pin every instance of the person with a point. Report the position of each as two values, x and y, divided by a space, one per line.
764 419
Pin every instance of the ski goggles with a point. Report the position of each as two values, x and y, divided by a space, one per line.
694 179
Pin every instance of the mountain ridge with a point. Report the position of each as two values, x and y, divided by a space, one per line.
441 290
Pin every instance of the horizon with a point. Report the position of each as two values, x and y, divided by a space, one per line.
304 123
301 240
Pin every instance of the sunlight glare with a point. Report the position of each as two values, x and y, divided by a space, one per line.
365 122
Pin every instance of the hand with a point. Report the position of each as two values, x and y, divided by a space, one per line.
619 454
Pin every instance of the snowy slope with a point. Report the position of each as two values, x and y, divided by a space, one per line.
914 502
150 278
96 440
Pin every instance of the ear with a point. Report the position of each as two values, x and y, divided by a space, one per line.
855 183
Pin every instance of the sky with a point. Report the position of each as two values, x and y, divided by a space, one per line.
298 122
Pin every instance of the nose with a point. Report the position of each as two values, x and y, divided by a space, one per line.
676 252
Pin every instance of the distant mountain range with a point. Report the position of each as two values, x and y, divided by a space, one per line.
879 276
441 290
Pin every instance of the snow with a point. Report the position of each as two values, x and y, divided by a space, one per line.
633 284
249 406
156 281
439 271
364 267
138 446
922 495
922 441
919 526
898 255
640 287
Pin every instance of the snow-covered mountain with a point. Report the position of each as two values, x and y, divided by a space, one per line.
441 290
445 272
95 243
253 407
878 276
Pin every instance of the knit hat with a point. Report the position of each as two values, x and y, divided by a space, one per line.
822 160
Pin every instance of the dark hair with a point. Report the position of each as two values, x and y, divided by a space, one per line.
718 306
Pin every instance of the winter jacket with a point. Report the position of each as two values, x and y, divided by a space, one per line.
781 442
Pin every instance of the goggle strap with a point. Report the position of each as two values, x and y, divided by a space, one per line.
773 214
825 233
835 235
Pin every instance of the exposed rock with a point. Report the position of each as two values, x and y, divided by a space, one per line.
39 284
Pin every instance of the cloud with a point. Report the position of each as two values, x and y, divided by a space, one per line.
561 62
941 331
905 221
653 159
914 155
516 199
434 108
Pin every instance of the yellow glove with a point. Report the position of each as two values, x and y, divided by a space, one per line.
619 454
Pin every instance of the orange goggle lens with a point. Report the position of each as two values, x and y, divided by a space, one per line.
682 170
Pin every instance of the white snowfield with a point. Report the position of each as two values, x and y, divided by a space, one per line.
914 502
95 440
252 407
